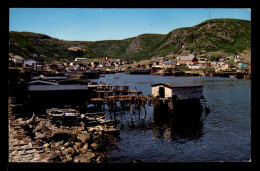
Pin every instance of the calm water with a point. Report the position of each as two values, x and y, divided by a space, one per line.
224 135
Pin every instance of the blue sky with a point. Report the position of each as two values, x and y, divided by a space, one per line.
93 24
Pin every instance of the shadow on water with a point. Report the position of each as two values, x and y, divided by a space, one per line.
180 127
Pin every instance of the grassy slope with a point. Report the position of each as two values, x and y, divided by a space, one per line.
228 35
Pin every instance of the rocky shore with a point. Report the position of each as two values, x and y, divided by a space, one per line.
39 139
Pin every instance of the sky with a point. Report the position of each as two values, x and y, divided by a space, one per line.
94 24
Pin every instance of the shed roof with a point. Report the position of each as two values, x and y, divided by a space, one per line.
41 82
187 58
56 87
49 78
26 60
169 63
17 57
177 85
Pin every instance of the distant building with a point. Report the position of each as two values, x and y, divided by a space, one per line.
161 58
81 59
242 65
157 65
30 63
194 66
169 64
248 67
238 60
202 59
53 66
18 59
188 60
229 57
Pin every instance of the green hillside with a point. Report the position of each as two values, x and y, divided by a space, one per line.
231 36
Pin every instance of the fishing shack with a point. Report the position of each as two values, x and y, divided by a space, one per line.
178 99
51 94
180 91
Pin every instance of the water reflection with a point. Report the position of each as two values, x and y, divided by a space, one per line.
180 128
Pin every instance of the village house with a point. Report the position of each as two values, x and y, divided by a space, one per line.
104 59
242 65
202 59
249 68
94 64
18 60
237 58
148 66
104 64
162 59
157 65
222 59
222 66
40 64
81 59
195 66
219 65
206 65
53 67
188 60
169 64
119 61
15 59
30 63
229 57
214 64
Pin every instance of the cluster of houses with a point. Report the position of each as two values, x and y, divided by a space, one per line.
190 61
199 62
77 64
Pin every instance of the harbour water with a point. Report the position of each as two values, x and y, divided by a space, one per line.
223 135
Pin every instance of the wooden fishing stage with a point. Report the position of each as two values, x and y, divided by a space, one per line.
166 98
117 98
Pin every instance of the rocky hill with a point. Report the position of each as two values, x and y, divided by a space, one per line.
230 36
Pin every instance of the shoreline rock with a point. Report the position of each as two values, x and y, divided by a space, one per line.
44 141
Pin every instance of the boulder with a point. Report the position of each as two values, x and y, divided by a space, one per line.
84 137
78 144
84 158
70 150
76 148
39 127
67 144
95 146
84 149
41 136
69 158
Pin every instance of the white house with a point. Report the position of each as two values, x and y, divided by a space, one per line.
158 65
30 63
181 91
238 60
17 59
81 59
195 66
